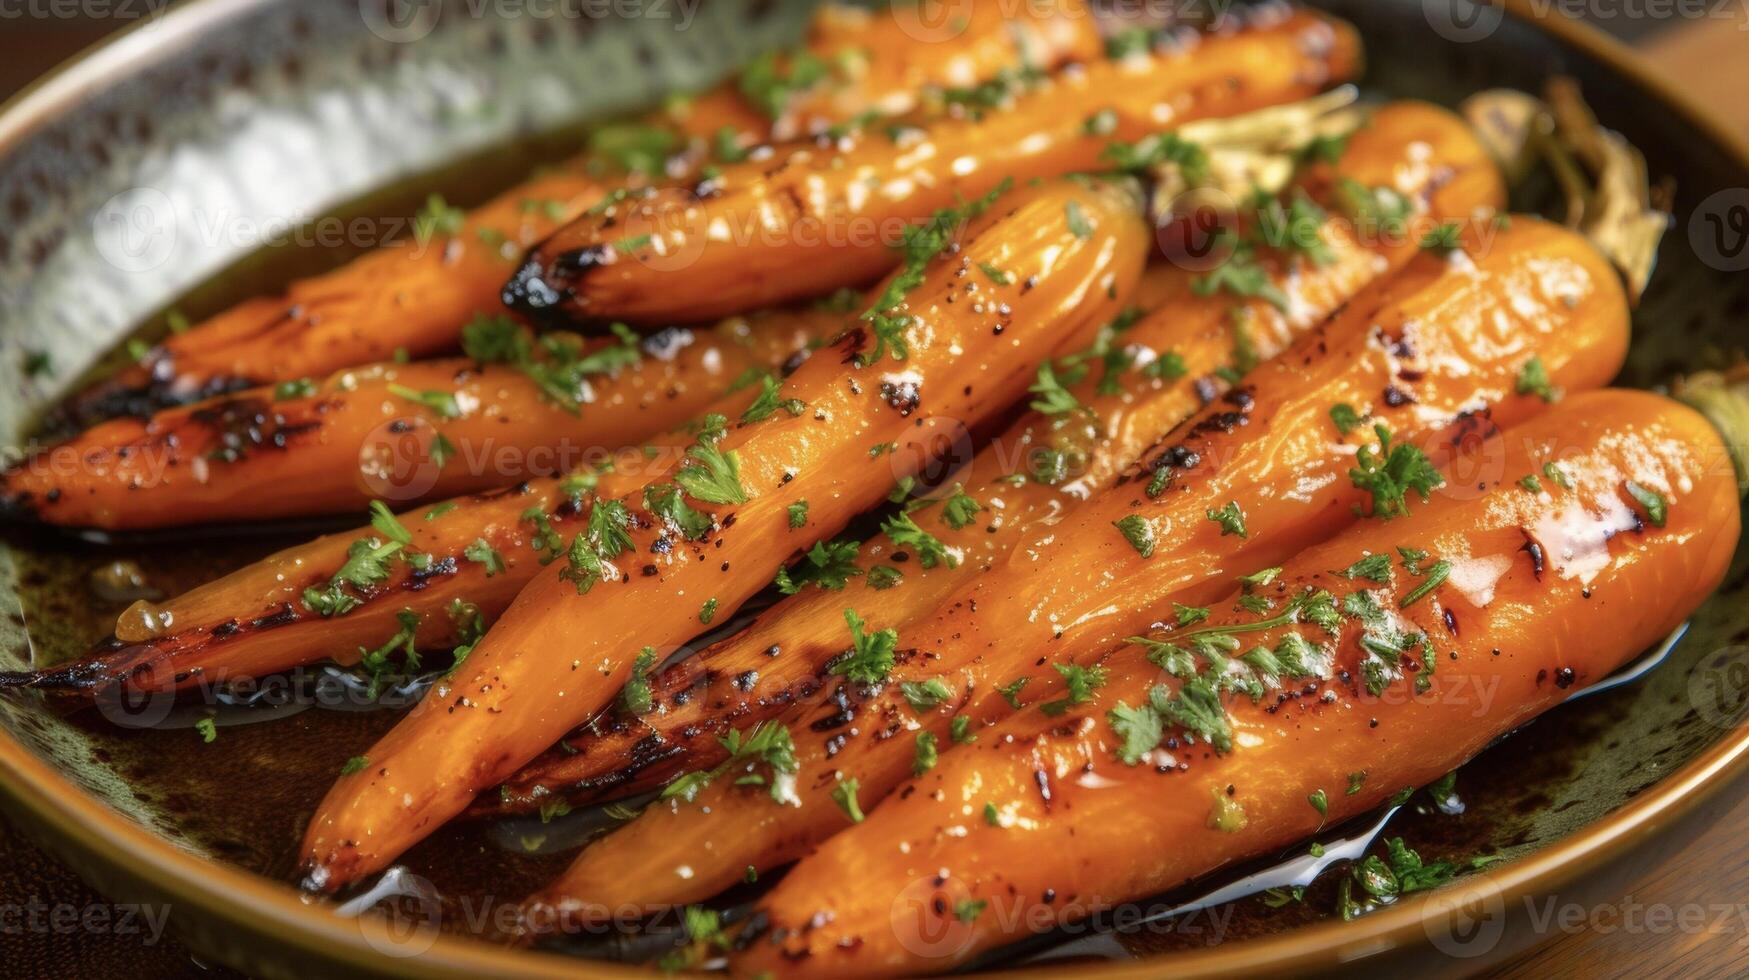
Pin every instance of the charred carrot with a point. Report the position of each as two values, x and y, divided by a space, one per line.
1296 704
812 221
515 410
1285 459
415 296
1166 354
720 531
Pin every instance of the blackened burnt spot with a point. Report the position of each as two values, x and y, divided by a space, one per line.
793 363
538 296
1220 423
285 615
852 342
1396 397
422 577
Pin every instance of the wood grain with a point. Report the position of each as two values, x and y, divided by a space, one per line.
1710 59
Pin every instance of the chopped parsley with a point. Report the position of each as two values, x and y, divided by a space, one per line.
768 402
711 474
871 655
927 754
287 390
904 533
1390 474
798 514
1656 507
1436 576
1376 568
1053 397
845 795
1138 532
1533 379
769 84
443 404
961 509
919 246
924 695
355 765
636 698
366 565
436 218
1558 475
1079 682
481 552
960 729
1230 518
829 564
766 744
1443 239
1345 417
1079 226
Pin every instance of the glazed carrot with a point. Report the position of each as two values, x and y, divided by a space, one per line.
1257 476
557 656
402 432
1525 593
415 295
1418 150
815 220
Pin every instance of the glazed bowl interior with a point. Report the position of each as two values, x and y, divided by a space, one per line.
239 117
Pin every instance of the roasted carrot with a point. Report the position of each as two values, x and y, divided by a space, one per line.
814 220
1257 476
416 295
1602 524
403 432
557 656
1420 151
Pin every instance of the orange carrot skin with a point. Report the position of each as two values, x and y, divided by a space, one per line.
415 296
1421 150
768 231
556 657
1080 831
255 622
357 436
1451 333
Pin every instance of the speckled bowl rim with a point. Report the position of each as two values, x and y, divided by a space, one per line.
257 906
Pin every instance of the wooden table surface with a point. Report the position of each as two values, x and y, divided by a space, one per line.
1709 56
